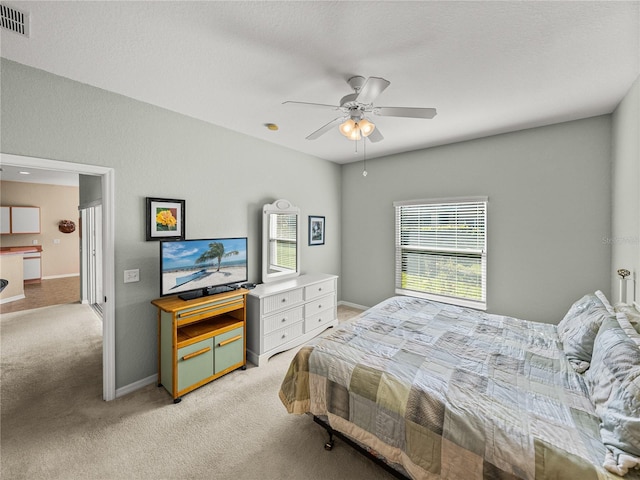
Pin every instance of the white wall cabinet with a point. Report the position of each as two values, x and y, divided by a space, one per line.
20 220
283 315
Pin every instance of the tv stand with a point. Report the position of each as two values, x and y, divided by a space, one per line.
200 340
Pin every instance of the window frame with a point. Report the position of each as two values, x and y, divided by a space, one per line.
282 237
442 251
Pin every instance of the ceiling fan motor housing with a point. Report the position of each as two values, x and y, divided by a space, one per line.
356 82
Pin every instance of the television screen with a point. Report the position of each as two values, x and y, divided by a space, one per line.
193 268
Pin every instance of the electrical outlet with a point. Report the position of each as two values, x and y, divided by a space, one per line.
132 275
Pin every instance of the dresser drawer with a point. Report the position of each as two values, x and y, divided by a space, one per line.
319 319
279 337
283 319
282 300
195 363
318 289
319 305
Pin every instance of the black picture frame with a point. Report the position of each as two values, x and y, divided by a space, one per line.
316 230
169 226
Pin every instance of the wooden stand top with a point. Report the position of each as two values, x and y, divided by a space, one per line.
174 303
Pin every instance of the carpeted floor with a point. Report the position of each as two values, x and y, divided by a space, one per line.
54 424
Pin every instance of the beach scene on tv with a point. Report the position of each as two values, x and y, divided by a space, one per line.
194 264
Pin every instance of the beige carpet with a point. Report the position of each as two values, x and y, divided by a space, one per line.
55 425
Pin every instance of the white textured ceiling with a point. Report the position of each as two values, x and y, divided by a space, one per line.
488 67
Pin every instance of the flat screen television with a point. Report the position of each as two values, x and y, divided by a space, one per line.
196 268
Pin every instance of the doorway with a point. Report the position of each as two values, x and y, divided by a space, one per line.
107 262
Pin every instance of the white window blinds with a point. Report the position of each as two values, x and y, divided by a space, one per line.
282 241
441 250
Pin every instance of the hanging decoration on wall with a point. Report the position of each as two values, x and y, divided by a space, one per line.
316 230
165 219
66 226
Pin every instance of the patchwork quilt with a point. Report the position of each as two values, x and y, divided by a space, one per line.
452 393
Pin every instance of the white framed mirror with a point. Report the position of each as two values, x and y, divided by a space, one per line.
280 235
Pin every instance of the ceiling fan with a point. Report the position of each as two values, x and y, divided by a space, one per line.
355 106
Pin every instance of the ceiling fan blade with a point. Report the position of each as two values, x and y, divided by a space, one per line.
373 87
405 112
375 136
309 104
325 128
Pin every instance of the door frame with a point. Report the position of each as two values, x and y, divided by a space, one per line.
108 257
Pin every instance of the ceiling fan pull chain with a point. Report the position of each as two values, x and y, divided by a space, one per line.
364 157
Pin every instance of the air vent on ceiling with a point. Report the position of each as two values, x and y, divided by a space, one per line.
14 20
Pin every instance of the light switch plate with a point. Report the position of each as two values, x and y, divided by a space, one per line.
132 275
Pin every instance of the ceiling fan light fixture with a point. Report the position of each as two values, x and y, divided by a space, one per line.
356 129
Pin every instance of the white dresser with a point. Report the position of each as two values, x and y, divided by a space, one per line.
282 315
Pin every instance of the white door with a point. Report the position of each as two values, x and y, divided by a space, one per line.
91 248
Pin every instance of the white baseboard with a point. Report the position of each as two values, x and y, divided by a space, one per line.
51 277
132 387
353 305
12 299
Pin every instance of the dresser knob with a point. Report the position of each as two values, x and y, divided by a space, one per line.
319 320
320 289
319 306
284 319
284 300
284 335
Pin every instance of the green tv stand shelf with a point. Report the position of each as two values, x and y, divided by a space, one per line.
200 340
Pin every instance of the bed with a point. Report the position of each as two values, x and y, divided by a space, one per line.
443 392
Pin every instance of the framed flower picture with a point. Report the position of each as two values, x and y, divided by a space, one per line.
316 230
165 219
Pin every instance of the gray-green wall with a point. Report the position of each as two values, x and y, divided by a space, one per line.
225 178
549 209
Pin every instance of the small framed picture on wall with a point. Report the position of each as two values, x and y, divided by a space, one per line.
316 230
165 219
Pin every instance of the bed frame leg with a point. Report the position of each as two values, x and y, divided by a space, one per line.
325 425
329 445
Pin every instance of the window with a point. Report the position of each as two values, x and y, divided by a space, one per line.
441 250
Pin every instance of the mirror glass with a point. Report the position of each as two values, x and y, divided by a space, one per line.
280 252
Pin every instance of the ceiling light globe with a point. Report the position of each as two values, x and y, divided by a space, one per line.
366 127
354 135
347 127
